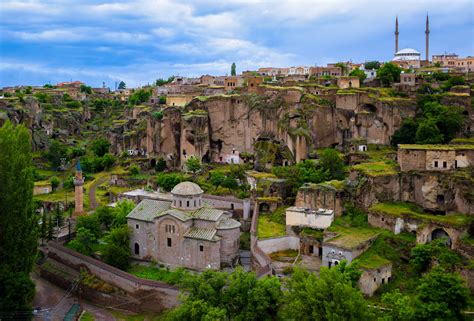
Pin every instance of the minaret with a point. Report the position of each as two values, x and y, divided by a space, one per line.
396 34
427 33
78 191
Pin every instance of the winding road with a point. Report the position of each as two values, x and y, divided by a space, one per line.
92 199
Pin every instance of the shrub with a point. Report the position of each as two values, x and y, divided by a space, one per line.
54 182
169 180
134 169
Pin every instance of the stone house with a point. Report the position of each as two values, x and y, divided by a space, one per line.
372 278
434 157
339 247
178 100
305 217
253 82
315 196
348 82
325 71
207 80
230 83
184 231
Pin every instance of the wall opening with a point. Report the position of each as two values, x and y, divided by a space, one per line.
137 249
439 233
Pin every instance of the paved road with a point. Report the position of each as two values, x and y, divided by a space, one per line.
92 199
58 301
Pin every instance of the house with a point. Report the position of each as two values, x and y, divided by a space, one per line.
42 187
434 157
378 272
346 245
305 217
232 82
184 231
207 80
345 82
325 71
178 100
408 79
253 82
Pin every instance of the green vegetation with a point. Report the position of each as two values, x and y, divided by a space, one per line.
158 274
87 316
139 96
169 180
284 255
268 228
349 237
401 209
377 168
193 164
358 73
317 234
18 222
389 73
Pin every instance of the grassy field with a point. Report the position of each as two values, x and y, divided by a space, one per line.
158 274
377 168
268 228
399 209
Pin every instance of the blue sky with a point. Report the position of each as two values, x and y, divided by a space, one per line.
138 41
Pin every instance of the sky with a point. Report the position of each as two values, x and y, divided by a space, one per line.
138 41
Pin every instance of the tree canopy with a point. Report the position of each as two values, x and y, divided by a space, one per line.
233 71
19 224
358 73
122 85
389 73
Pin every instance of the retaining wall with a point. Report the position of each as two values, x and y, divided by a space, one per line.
276 244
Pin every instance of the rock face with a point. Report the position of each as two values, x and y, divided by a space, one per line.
434 191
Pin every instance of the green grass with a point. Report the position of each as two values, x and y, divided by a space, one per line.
245 241
268 228
400 209
277 256
437 147
370 260
317 234
158 274
376 168
338 185
350 237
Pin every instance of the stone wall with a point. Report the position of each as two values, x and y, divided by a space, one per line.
318 196
276 244
162 295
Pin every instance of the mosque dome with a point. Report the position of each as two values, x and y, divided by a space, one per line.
407 54
187 189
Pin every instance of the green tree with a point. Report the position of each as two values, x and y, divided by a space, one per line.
448 119
233 71
108 160
140 96
217 178
331 296
134 169
44 227
50 234
230 183
54 182
332 161
389 73
358 73
228 296
422 255
160 164
122 209
84 241
117 251
106 216
90 223
169 180
122 85
401 307
193 164
406 134
55 152
428 133
370 65
85 89
18 222
100 147
443 295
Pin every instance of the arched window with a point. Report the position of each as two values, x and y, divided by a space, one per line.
137 249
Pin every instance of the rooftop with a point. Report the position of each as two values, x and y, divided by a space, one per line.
350 237
199 233
437 147
187 189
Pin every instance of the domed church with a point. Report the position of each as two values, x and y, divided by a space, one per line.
184 232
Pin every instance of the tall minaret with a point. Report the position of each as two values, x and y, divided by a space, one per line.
396 34
78 191
427 33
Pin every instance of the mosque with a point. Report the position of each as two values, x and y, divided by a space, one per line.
409 58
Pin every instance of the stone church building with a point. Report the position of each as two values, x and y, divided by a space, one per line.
184 232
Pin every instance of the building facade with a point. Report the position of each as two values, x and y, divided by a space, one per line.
184 232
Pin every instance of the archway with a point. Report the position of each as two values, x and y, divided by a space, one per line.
368 108
153 163
440 233
137 249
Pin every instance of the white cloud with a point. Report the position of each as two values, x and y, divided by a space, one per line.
163 32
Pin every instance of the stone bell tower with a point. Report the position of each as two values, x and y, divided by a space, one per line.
78 191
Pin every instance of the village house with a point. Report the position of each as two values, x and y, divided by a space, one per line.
434 157
184 231
178 100
454 61
232 82
305 217
345 246
345 82
325 71
374 276
207 80
253 82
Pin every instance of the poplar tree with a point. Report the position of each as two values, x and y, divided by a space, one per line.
18 222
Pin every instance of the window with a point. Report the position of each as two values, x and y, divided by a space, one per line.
201 248
383 280
445 164
180 203
137 226
194 203
455 164
435 163
187 203
169 242
137 249
375 279
231 206
311 249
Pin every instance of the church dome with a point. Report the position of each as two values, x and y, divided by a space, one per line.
187 189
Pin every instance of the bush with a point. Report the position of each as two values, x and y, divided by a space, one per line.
160 165
73 104
134 169
100 147
90 223
54 182
169 180
117 256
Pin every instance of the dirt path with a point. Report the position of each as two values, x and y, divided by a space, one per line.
92 199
